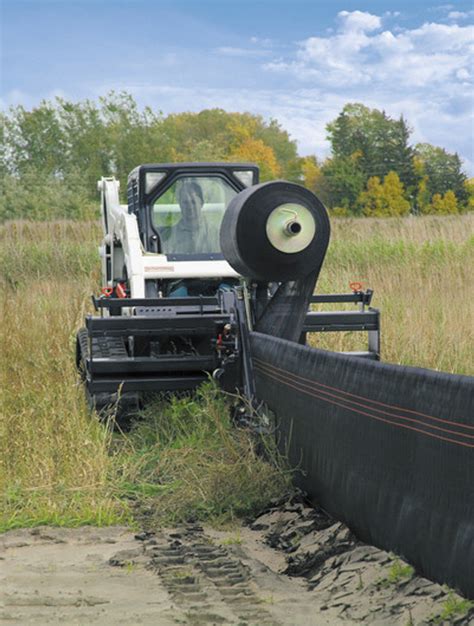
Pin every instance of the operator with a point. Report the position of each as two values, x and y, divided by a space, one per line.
192 234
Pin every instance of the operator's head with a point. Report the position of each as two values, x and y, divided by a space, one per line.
190 200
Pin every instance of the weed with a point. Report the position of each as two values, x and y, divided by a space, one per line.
233 540
182 575
130 566
398 573
453 607
267 599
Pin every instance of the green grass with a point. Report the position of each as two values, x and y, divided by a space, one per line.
400 572
187 460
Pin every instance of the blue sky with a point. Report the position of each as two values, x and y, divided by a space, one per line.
298 61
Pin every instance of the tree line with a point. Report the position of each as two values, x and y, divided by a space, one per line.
52 156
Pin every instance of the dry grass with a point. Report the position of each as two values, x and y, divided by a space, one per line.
56 464
54 461
420 270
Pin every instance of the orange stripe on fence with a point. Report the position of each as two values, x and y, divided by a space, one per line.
353 395
403 417
298 387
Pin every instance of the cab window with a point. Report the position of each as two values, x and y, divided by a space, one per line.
188 215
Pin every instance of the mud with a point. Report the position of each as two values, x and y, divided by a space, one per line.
292 565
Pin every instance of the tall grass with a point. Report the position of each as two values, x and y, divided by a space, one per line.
186 459
421 273
58 465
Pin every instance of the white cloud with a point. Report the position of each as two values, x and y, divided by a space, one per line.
460 15
423 73
359 21
241 52
356 55
262 41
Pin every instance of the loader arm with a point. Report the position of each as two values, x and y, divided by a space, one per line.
122 247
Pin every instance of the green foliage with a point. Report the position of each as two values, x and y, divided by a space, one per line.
443 171
380 141
38 196
400 572
384 200
454 607
343 181
52 156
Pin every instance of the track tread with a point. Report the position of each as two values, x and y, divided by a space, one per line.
206 578
102 347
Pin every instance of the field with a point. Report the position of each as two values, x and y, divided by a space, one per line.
60 466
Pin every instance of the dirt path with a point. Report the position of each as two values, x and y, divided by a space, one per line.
63 576
183 576
293 565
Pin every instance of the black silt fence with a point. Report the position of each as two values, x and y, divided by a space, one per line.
389 450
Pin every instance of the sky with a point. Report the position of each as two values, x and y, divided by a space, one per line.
297 61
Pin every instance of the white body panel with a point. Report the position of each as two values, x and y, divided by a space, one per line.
126 249
158 266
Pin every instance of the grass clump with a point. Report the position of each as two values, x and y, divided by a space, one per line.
453 607
400 572
187 460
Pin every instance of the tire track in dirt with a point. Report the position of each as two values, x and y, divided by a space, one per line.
213 585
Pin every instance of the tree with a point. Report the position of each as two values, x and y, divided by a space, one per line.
443 205
215 134
422 196
443 171
469 187
311 172
255 150
342 182
380 141
384 200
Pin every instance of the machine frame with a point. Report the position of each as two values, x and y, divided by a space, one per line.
121 352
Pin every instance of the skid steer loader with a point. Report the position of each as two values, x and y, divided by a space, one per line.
172 310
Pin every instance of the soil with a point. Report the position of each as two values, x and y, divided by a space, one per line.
292 565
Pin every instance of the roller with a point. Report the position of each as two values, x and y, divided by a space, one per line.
275 231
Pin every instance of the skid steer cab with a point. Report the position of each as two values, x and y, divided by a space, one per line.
173 311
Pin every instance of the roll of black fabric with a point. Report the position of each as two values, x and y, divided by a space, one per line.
278 231
275 231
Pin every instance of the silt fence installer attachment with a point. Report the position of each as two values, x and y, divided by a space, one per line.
278 232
